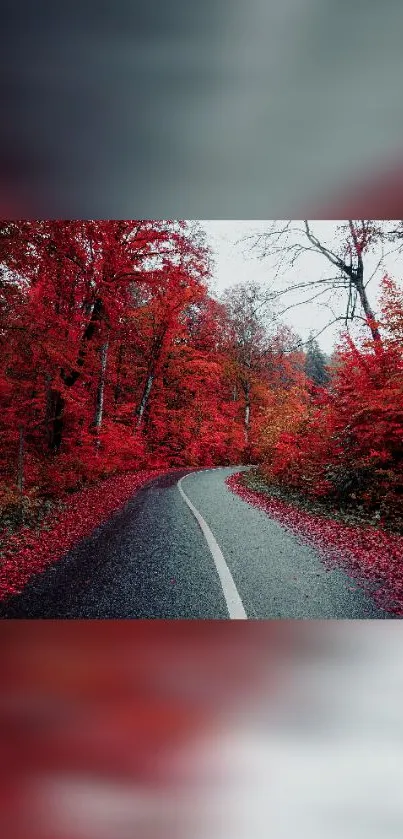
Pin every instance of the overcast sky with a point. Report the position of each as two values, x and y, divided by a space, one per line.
233 264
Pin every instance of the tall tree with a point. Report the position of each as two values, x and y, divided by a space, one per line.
286 242
80 277
248 339
315 363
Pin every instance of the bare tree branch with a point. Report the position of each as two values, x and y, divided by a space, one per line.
283 243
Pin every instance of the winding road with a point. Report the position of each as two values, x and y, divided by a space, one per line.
187 547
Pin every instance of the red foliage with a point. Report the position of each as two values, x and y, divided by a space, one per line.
114 357
348 443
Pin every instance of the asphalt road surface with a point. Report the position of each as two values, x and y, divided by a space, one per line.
190 551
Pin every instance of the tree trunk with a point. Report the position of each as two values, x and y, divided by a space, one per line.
144 399
69 379
20 472
247 412
358 281
368 311
153 364
101 390
119 362
48 410
56 420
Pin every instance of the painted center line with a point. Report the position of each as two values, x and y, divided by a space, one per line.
234 603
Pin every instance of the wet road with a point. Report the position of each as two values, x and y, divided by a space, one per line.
152 559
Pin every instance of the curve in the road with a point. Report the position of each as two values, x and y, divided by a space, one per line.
157 557
234 603
277 574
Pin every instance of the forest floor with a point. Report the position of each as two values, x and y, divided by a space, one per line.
346 513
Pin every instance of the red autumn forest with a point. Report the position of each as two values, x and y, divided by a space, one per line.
116 357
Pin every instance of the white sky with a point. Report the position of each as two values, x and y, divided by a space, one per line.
233 265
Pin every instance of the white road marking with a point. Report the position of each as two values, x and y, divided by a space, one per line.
234 603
